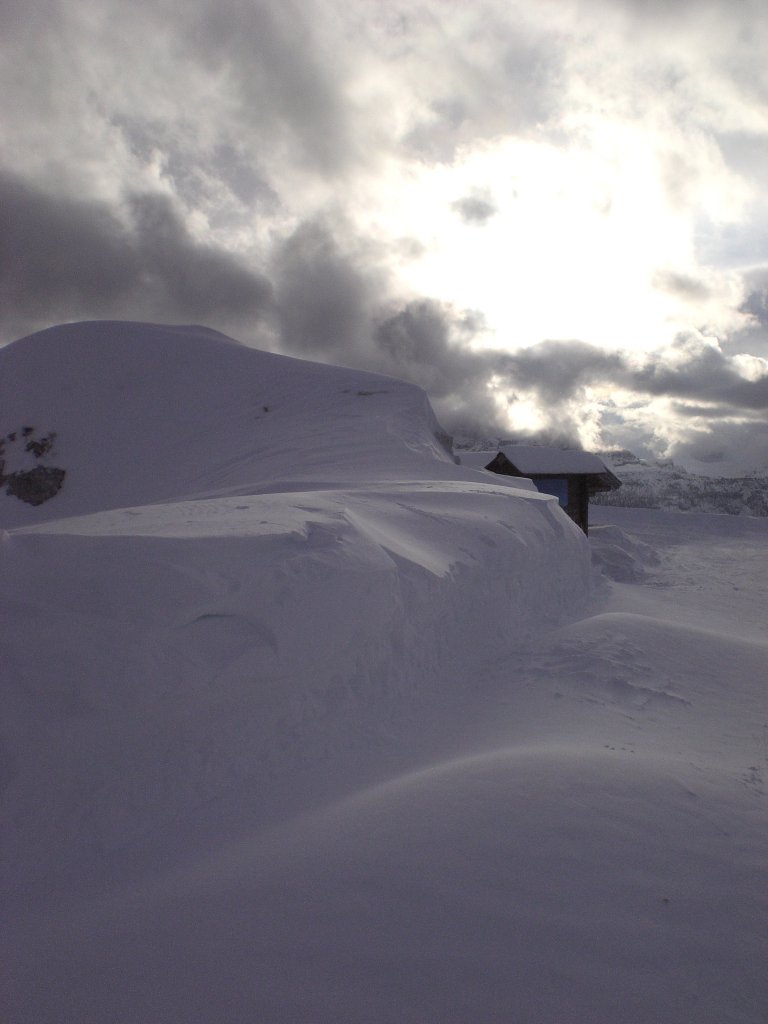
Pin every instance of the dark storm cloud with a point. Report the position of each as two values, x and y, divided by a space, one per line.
324 296
59 254
475 209
335 302
66 259
186 275
338 307
706 412
425 341
704 373
558 369
690 369
416 335
756 301
283 79
745 444
753 336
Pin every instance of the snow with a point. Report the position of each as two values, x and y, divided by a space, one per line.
541 459
305 722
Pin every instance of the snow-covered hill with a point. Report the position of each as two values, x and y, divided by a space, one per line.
141 414
305 722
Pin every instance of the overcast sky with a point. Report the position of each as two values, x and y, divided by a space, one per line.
550 214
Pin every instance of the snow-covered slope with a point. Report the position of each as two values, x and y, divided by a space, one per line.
329 728
326 568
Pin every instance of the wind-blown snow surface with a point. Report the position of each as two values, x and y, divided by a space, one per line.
307 723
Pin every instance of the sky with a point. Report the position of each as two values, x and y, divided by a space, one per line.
550 215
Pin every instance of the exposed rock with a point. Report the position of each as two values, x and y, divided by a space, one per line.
35 486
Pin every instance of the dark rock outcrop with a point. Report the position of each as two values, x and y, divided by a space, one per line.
35 486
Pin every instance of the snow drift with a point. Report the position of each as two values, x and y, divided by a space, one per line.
316 588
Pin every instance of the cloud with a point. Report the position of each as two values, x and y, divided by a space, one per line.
324 295
756 301
313 168
334 301
682 285
475 209
59 255
752 338
696 368
422 341
733 446
330 297
478 75
222 179
63 259
559 369
187 275
282 76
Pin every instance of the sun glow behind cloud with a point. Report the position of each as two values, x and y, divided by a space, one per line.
574 244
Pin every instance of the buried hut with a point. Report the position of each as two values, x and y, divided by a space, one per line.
570 476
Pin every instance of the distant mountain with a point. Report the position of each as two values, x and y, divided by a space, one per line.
663 485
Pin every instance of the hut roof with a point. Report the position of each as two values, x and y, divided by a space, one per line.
538 461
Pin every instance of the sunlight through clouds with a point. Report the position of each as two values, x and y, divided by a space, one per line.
568 252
